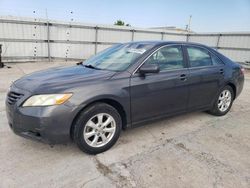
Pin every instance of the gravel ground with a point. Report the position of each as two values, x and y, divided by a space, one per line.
191 150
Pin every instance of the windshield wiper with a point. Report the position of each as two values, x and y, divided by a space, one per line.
91 67
79 63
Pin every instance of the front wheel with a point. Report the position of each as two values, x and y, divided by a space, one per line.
223 102
98 128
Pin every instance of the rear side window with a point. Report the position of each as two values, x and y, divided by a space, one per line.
198 57
168 58
216 60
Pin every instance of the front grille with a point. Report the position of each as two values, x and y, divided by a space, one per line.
13 97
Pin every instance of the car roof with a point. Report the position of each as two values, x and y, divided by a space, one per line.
162 42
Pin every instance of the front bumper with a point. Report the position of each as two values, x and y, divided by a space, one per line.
49 124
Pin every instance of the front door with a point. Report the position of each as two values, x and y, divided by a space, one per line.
159 94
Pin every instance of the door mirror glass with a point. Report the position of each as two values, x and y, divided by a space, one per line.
149 68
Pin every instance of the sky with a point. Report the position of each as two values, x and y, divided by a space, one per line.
207 15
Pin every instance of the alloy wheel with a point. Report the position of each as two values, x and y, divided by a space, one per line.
224 100
99 130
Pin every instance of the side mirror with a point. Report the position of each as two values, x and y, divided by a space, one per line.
149 68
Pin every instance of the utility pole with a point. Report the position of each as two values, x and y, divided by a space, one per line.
189 23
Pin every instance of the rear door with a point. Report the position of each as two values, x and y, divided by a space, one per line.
166 92
206 73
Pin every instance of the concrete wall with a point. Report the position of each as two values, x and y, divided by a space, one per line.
32 39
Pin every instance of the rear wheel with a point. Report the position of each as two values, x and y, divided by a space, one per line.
223 102
97 128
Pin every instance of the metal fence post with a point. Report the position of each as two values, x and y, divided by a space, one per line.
48 40
1 63
218 41
187 39
96 39
162 35
133 34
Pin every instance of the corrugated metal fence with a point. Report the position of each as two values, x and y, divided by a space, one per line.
37 39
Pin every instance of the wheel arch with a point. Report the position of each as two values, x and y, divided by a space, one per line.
232 85
112 102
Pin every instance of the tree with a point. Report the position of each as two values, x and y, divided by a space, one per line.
121 23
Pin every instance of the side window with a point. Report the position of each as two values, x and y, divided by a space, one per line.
168 58
198 57
216 60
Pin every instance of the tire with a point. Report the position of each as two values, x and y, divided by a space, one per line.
89 131
217 108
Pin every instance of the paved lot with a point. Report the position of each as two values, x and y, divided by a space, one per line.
192 150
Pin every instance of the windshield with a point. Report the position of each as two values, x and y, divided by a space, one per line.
118 57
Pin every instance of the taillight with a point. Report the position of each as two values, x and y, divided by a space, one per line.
242 70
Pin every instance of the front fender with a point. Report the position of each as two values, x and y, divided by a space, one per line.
116 90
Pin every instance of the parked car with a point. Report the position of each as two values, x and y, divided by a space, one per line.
125 85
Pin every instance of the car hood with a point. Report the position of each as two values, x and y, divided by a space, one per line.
61 78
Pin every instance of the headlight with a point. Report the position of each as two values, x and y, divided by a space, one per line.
47 100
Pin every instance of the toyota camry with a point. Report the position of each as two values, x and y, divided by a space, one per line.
123 86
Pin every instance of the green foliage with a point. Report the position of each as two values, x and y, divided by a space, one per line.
121 23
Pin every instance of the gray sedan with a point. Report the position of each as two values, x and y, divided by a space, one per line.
123 86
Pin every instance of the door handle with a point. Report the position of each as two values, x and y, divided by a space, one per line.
221 71
183 77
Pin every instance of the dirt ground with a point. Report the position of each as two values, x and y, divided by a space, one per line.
191 150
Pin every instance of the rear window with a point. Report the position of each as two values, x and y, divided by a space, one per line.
216 60
198 57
